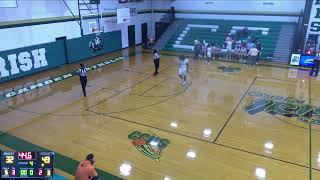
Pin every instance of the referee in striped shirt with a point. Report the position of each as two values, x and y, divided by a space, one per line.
83 79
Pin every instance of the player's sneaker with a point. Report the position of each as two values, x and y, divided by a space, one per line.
184 83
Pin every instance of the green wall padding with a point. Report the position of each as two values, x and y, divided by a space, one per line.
54 56
78 48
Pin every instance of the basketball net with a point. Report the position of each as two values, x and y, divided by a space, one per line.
95 30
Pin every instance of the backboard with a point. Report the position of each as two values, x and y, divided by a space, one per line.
123 15
91 23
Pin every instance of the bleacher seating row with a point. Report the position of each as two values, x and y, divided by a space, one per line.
214 31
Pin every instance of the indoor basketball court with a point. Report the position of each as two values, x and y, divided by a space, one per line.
205 120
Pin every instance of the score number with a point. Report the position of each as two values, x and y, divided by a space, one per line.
24 172
48 172
46 159
6 172
26 155
9 159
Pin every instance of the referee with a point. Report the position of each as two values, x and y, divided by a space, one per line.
83 79
316 64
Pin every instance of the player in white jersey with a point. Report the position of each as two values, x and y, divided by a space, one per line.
183 69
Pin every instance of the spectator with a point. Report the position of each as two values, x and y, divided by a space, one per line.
238 34
205 43
259 47
309 49
223 51
237 48
197 51
209 50
151 42
244 42
250 45
204 50
172 14
252 56
242 53
245 32
238 43
215 51
228 38
252 36
213 48
237 52
148 43
86 169
218 51
196 41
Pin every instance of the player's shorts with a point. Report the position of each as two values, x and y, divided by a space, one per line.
182 72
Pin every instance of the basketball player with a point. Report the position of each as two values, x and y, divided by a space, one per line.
86 169
184 69
83 78
229 43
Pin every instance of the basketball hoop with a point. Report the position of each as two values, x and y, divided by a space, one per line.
94 30
91 23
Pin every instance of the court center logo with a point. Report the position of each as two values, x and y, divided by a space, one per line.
229 69
149 145
283 106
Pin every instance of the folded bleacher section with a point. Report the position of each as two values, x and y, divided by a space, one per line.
214 31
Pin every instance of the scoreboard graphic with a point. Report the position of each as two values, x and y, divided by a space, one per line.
27 164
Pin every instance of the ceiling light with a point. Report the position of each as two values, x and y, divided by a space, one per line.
191 154
268 145
207 132
125 169
174 124
260 173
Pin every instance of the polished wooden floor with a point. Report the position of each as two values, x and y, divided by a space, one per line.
205 117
